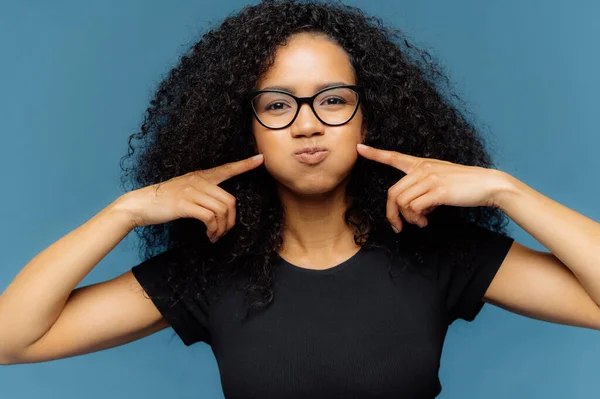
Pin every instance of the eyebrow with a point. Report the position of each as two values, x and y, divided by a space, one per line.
291 89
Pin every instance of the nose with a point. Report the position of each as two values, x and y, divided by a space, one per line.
306 123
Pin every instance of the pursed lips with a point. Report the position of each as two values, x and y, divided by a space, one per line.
310 150
311 155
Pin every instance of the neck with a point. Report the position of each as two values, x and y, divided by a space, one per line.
314 225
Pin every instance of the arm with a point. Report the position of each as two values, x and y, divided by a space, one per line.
561 286
33 301
95 317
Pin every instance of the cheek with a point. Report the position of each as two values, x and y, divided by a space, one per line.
265 139
274 152
348 157
347 146
268 146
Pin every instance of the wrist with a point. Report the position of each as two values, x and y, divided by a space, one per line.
124 208
506 191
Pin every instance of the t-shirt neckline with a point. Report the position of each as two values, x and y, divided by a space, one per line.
330 270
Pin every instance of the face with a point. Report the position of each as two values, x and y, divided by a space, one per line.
304 65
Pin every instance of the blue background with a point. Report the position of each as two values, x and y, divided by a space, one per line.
76 78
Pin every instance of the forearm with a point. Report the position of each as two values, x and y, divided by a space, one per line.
35 298
572 237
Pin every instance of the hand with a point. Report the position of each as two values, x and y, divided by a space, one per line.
193 195
430 183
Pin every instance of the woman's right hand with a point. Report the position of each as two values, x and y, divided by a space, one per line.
193 195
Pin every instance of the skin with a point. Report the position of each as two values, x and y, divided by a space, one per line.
315 234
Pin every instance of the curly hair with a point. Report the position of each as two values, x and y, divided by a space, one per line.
199 119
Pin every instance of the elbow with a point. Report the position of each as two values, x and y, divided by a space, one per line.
5 361
8 359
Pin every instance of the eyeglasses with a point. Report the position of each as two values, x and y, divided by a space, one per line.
333 106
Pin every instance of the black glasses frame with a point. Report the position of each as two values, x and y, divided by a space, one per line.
306 100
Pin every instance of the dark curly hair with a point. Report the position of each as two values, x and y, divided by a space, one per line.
199 119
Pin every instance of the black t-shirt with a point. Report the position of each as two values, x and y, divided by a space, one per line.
349 331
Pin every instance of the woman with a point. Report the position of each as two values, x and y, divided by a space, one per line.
318 268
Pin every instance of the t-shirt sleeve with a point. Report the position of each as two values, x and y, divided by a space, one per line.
187 316
463 287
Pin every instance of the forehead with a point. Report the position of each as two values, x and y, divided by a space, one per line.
306 63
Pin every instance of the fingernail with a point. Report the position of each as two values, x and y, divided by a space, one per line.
395 230
259 156
362 146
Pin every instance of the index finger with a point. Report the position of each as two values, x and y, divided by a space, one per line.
404 162
227 171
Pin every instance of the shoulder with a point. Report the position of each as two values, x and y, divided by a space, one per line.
460 246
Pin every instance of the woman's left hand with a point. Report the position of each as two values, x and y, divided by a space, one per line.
430 183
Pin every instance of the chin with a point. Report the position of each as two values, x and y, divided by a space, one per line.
321 179
311 186
312 190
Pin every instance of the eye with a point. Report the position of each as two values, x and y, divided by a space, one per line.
271 107
334 101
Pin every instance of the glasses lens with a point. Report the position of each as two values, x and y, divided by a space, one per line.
334 106
274 109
